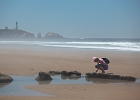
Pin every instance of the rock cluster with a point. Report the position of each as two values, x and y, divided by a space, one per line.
42 76
76 74
109 76
5 78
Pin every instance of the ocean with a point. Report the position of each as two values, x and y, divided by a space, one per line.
131 44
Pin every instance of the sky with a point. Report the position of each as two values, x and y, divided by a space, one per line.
73 18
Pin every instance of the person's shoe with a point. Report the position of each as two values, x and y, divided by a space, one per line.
103 72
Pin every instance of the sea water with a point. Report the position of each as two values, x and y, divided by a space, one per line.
16 88
131 44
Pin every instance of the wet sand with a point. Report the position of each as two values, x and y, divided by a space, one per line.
29 60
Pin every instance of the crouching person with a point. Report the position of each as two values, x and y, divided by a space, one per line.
102 64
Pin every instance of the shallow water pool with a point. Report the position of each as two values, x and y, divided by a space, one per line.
16 88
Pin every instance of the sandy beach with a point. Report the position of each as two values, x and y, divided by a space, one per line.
29 60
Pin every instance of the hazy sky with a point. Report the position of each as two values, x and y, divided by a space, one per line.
73 18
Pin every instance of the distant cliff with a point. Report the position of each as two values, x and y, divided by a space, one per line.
15 34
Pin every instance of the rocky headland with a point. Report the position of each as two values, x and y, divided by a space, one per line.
15 34
21 34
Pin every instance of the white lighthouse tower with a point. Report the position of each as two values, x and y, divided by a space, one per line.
16 25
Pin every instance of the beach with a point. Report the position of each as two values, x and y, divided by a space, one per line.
22 60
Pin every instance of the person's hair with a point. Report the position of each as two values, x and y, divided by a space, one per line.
94 58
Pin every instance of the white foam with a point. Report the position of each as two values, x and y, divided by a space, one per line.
131 46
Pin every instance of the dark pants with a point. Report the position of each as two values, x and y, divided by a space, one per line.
100 65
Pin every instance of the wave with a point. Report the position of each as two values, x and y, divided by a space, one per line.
131 46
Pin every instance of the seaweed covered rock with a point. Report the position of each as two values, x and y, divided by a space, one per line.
88 75
109 76
128 78
65 73
5 78
54 73
42 76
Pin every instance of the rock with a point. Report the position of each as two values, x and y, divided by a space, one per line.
129 78
52 35
109 76
122 78
65 73
97 75
114 76
105 76
54 73
42 76
89 75
5 78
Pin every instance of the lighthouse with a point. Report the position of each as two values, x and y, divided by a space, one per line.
16 26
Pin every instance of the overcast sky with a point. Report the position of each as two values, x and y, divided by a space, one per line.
73 18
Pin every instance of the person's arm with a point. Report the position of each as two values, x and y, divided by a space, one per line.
98 61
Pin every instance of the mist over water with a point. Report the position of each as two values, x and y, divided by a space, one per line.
87 43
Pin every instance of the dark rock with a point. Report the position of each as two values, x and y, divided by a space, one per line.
65 73
105 76
42 73
122 78
97 75
100 75
75 73
129 78
42 76
88 75
54 73
114 76
5 78
109 76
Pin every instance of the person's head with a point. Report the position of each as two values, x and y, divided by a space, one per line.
95 59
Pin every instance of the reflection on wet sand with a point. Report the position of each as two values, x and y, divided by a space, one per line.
3 84
44 82
106 81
